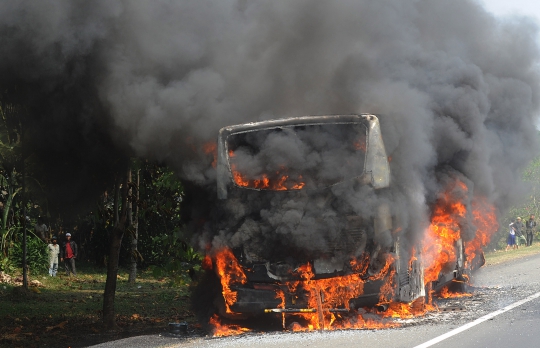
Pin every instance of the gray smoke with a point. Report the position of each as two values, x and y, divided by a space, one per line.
456 88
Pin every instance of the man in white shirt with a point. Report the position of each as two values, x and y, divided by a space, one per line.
54 251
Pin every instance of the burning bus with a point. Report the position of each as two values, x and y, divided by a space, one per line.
309 228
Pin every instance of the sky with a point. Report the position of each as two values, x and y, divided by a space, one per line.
530 8
520 7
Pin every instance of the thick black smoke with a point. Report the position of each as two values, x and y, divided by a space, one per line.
456 88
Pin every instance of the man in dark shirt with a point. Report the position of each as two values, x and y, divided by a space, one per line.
530 227
69 254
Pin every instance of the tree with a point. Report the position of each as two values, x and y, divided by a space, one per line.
122 220
14 180
157 236
10 177
135 255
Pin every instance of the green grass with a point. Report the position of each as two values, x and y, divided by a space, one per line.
500 256
67 310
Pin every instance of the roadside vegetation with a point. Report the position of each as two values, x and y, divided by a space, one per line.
530 205
134 259
66 311
499 256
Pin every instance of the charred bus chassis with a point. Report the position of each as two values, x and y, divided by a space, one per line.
276 284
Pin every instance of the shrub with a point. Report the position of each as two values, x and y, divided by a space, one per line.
37 257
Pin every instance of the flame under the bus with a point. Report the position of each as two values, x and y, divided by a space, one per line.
329 298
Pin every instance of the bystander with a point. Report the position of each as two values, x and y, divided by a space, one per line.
530 227
518 227
511 239
69 254
54 251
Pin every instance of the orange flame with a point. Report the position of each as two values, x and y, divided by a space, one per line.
445 293
282 183
264 183
326 294
207 263
211 148
443 233
230 273
485 220
221 330
445 230
327 300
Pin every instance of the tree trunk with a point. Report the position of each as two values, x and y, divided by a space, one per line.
109 316
135 235
24 253
7 206
23 200
115 240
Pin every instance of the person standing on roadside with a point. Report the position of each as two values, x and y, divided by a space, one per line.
511 239
518 227
530 226
69 254
54 251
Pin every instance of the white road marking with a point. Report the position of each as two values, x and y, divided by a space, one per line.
477 321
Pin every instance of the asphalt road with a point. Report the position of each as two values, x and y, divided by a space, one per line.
517 327
505 322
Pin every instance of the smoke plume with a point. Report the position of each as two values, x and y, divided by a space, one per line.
456 90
